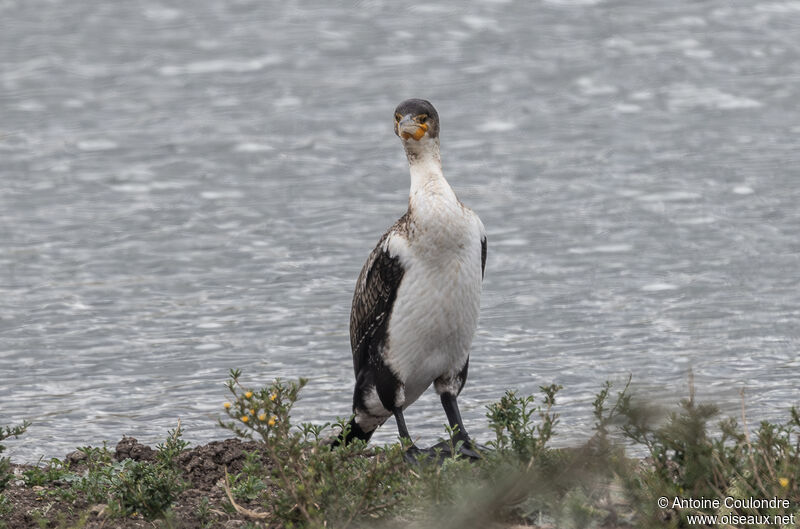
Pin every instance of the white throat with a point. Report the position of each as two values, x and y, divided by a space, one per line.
425 166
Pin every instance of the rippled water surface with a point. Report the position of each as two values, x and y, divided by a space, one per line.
189 186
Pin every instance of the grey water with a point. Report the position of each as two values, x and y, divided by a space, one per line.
188 187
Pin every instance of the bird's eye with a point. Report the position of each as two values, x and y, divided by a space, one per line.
398 117
423 118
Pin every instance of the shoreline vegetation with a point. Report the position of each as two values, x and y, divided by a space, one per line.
277 474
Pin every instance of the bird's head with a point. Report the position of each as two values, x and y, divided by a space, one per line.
416 122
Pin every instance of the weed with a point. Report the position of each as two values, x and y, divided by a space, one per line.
5 464
294 478
99 476
247 485
142 488
128 486
514 427
5 507
149 488
54 470
314 484
203 512
687 461
169 450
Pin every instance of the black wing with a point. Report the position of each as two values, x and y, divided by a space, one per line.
483 255
375 293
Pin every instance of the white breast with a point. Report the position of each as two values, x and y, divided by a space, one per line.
436 309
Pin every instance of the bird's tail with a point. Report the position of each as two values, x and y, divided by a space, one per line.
352 431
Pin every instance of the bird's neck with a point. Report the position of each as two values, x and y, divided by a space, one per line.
427 180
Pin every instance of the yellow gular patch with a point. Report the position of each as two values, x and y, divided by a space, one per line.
423 128
418 134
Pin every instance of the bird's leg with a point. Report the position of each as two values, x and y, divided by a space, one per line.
454 418
401 423
412 453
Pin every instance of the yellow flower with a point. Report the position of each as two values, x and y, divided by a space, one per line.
272 420
262 417
244 418
248 394
227 405
273 396
252 411
784 482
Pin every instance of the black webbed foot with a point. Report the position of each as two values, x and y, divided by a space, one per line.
413 455
464 449
435 454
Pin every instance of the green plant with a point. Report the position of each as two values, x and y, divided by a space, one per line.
54 470
6 508
261 413
687 461
149 488
127 486
248 485
294 479
314 484
512 421
5 463
142 488
168 451
99 475
203 512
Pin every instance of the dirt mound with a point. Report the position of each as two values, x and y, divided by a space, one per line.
201 466
130 448
205 465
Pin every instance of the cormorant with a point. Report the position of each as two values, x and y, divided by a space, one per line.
417 298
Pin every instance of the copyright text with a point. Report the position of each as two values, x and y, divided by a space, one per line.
734 504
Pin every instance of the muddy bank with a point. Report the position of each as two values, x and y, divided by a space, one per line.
203 504
202 467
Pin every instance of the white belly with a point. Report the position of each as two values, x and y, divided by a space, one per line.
436 309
